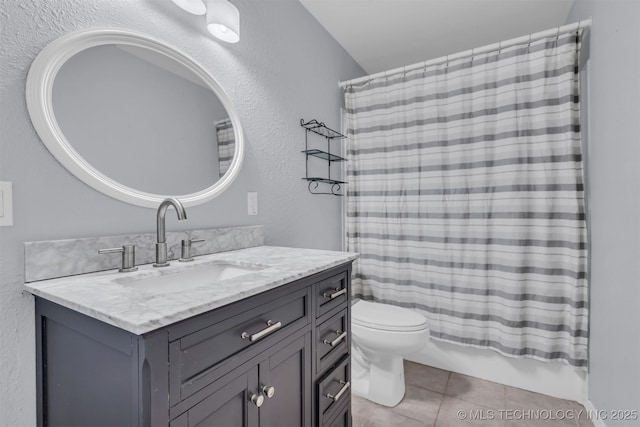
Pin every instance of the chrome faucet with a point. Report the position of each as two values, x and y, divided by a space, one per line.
161 244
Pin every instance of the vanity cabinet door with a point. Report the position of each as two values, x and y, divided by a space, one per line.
287 373
230 406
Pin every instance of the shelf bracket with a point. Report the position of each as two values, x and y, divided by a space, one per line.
335 189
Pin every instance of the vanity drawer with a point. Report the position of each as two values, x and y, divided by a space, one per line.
332 292
333 390
332 340
342 418
200 358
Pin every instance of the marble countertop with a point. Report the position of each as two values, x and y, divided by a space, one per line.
107 297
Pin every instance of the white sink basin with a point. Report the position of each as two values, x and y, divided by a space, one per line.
187 277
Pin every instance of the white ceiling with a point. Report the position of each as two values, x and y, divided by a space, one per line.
385 34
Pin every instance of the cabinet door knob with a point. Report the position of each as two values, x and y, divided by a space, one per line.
269 390
257 399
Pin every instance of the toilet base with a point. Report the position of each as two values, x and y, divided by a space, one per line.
382 382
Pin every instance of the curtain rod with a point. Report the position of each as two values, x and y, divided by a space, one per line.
484 49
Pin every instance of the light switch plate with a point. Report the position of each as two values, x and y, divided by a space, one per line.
252 203
6 204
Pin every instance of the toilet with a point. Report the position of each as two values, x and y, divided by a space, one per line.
381 335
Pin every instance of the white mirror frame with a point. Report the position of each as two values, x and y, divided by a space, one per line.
39 103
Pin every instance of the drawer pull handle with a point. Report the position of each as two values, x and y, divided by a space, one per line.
337 340
345 386
271 327
335 294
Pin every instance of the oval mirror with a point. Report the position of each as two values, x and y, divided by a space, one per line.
134 118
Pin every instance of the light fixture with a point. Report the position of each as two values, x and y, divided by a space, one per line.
223 20
196 7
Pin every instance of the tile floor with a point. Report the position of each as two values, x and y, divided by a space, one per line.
441 398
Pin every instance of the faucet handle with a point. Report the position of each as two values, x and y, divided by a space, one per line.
128 257
186 249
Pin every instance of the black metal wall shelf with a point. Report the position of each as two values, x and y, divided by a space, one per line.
321 129
324 155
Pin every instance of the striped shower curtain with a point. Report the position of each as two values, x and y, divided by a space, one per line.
466 198
226 144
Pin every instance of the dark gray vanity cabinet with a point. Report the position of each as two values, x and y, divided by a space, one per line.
232 366
286 370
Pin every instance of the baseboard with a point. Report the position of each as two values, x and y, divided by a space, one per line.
551 378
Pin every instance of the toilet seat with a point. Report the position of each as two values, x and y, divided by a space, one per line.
386 317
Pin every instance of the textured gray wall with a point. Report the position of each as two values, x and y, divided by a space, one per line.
614 195
286 67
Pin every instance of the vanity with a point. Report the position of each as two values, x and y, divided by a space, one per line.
242 335
268 347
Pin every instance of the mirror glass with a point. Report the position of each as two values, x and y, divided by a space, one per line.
134 117
143 119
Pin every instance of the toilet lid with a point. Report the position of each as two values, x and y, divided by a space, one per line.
386 317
